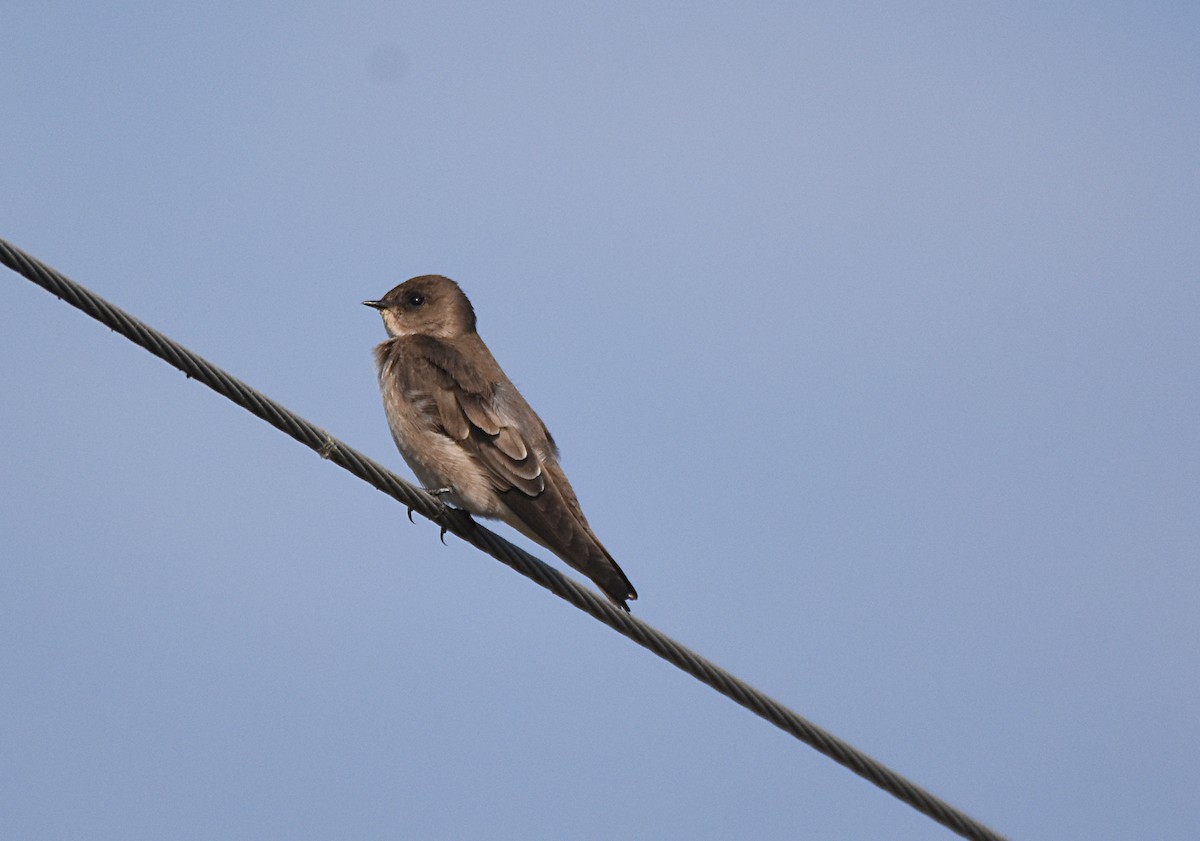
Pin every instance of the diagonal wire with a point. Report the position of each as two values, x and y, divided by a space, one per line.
464 527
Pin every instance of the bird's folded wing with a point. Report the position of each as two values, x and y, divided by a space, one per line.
467 408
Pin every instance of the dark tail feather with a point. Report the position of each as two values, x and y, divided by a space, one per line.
547 519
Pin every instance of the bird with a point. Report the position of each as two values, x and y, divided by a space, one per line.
470 437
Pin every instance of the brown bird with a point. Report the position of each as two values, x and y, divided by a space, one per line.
468 434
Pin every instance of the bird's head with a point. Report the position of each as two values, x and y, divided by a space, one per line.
429 305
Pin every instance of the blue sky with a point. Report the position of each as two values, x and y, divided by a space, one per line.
868 331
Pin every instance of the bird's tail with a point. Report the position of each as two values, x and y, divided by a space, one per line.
562 530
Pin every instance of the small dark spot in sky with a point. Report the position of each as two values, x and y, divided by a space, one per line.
387 64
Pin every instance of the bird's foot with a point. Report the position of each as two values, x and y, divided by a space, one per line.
434 492
447 514
457 517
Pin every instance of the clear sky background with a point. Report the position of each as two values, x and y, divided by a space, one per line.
870 333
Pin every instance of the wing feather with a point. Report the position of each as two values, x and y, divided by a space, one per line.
468 406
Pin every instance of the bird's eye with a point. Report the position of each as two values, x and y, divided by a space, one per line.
416 300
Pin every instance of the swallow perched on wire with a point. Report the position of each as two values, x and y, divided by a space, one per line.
469 435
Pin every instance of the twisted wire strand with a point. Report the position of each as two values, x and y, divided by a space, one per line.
461 525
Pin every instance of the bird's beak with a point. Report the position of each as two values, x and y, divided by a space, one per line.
379 305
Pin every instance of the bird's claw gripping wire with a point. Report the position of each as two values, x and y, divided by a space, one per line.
460 519
437 493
